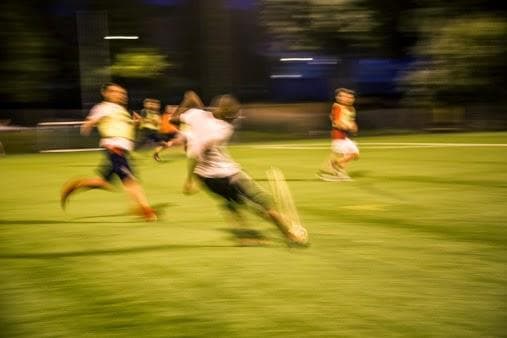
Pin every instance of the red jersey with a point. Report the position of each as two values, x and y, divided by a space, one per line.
341 114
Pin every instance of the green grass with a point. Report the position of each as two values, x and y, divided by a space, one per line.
415 246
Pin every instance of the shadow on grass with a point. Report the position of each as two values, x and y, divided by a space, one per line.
309 179
8 222
248 237
30 222
481 182
105 252
159 209
314 178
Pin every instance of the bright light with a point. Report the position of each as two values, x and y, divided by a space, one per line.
286 76
121 37
328 61
295 59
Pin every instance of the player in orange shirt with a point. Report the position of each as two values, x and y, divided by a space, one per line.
168 131
343 149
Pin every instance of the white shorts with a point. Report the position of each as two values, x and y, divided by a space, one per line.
344 146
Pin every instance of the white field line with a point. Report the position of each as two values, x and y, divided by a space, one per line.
70 150
66 123
378 145
309 146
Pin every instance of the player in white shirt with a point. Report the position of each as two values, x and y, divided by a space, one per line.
117 132
206 138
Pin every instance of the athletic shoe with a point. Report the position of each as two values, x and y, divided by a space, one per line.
156 157
298 235
149 214
333 177
343 176
66 192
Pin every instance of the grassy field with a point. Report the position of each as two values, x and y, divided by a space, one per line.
415 246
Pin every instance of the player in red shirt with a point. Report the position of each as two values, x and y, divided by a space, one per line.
343 149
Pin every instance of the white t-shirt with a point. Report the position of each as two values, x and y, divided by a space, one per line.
104 109
206 140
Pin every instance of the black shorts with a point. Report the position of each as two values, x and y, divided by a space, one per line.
168 136
149 135
116 164
238 188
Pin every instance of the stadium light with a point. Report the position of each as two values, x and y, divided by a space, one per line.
286 76
295 59
121 37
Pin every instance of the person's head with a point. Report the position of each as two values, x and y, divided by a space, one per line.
345 96
170 109
226 107
190 100
151 104
112 92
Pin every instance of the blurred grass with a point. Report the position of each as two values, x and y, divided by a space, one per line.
415 246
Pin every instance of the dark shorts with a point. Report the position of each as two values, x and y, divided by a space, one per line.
237 189
116 164
149 136
168 136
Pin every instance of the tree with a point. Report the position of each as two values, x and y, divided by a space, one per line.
26 45
461 60
309 25
139 63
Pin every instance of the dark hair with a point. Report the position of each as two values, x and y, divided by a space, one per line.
149 99
106 85
227 107
190 100
344 90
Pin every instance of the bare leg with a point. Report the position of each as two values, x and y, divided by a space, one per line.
158 150
286 228
331 164
344 160
136 193
82 183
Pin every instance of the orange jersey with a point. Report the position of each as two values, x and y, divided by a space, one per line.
341 114
166 127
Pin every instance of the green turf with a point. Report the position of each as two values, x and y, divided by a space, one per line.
415 246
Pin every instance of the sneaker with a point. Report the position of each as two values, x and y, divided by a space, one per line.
149 214
333 177
156 157
66 192
298 235
343 176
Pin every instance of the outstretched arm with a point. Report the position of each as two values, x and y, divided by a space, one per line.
87 126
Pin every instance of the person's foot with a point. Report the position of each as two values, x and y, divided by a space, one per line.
156 157
298 235
149 214
343 176
67 190
333 177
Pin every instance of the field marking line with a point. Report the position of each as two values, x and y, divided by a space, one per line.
378 145
70 150
309 146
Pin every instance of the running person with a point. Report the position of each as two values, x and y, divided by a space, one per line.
168 130
209 162
117 131
150 123
343 149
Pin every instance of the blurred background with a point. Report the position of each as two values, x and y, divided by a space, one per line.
415 64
